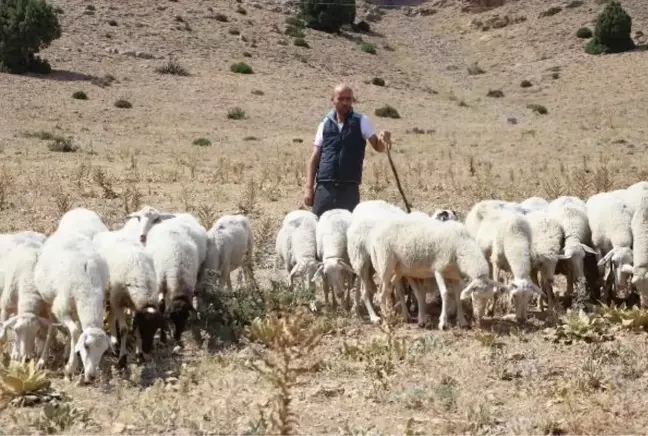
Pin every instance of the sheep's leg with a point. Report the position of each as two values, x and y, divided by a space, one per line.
399 298
123 330
326 288
369 289
46 346
386 290
496 277
443 319
461 317
74 332
419 293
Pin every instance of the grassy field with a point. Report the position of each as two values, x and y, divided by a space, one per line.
201 138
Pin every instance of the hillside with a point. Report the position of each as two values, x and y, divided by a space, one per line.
453 146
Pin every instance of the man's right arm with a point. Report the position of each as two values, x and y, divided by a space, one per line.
311 168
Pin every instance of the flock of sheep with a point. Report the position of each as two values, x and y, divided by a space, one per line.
436 253
152 266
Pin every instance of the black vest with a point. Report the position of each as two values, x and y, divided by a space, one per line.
342 151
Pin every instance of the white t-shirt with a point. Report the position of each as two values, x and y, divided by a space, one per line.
367 127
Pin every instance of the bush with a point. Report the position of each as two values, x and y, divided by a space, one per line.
538 108
80 95
368 47
241 68
387 112
526 84
123 104
26 27
202 142
236 114
295 32
584 33
612 31
328 15
378 81
301 42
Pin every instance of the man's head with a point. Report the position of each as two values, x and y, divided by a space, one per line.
343 98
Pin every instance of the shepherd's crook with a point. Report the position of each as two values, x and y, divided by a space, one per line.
408 206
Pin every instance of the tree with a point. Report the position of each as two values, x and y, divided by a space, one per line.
612 31
26 27
328 15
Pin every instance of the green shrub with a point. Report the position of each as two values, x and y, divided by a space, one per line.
241 68
202 142
123 104
26 27
526 84
328 15
236 114
368 47
80 95
584 33
173 68
387 112
301 42
612 31
538 108
294 22
378 81
295 32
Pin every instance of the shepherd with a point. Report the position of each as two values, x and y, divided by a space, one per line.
338 155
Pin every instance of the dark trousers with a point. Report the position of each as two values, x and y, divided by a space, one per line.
331 195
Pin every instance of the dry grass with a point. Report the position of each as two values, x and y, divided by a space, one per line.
59 153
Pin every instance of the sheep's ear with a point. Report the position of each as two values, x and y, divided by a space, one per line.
79 344
10 323
588 249
468 290
345 266
134 215
606 259
626 268
294 271
165 216
319 271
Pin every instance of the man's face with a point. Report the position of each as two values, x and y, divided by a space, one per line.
343 100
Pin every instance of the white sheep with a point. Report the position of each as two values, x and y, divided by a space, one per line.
17 293
610 222
230 245
72 278
283 242
571 213
331 237
505 238
639 269
132 286
444 215
364 217
176 259
547 246
482 208
81 220
634 194
303 251
422 249
147 217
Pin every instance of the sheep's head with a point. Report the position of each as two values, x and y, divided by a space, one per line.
146 323
333 269
179 311
521 291
481 289
620 261
308 268
148 217
444 215
639 281
91 346
26 327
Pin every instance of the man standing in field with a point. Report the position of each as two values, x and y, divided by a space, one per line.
338 155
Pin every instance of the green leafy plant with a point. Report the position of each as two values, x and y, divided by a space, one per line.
26 27
328 15
612 31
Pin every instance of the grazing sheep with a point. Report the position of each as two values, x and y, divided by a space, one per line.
635 194
423 249
610 222
133 286
444 215
83 221
331 237
283 242
364 217
18 287
72 278
479 211
571 213
547 243
505 238
177 262
303 247
639 269
148 216
230 244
